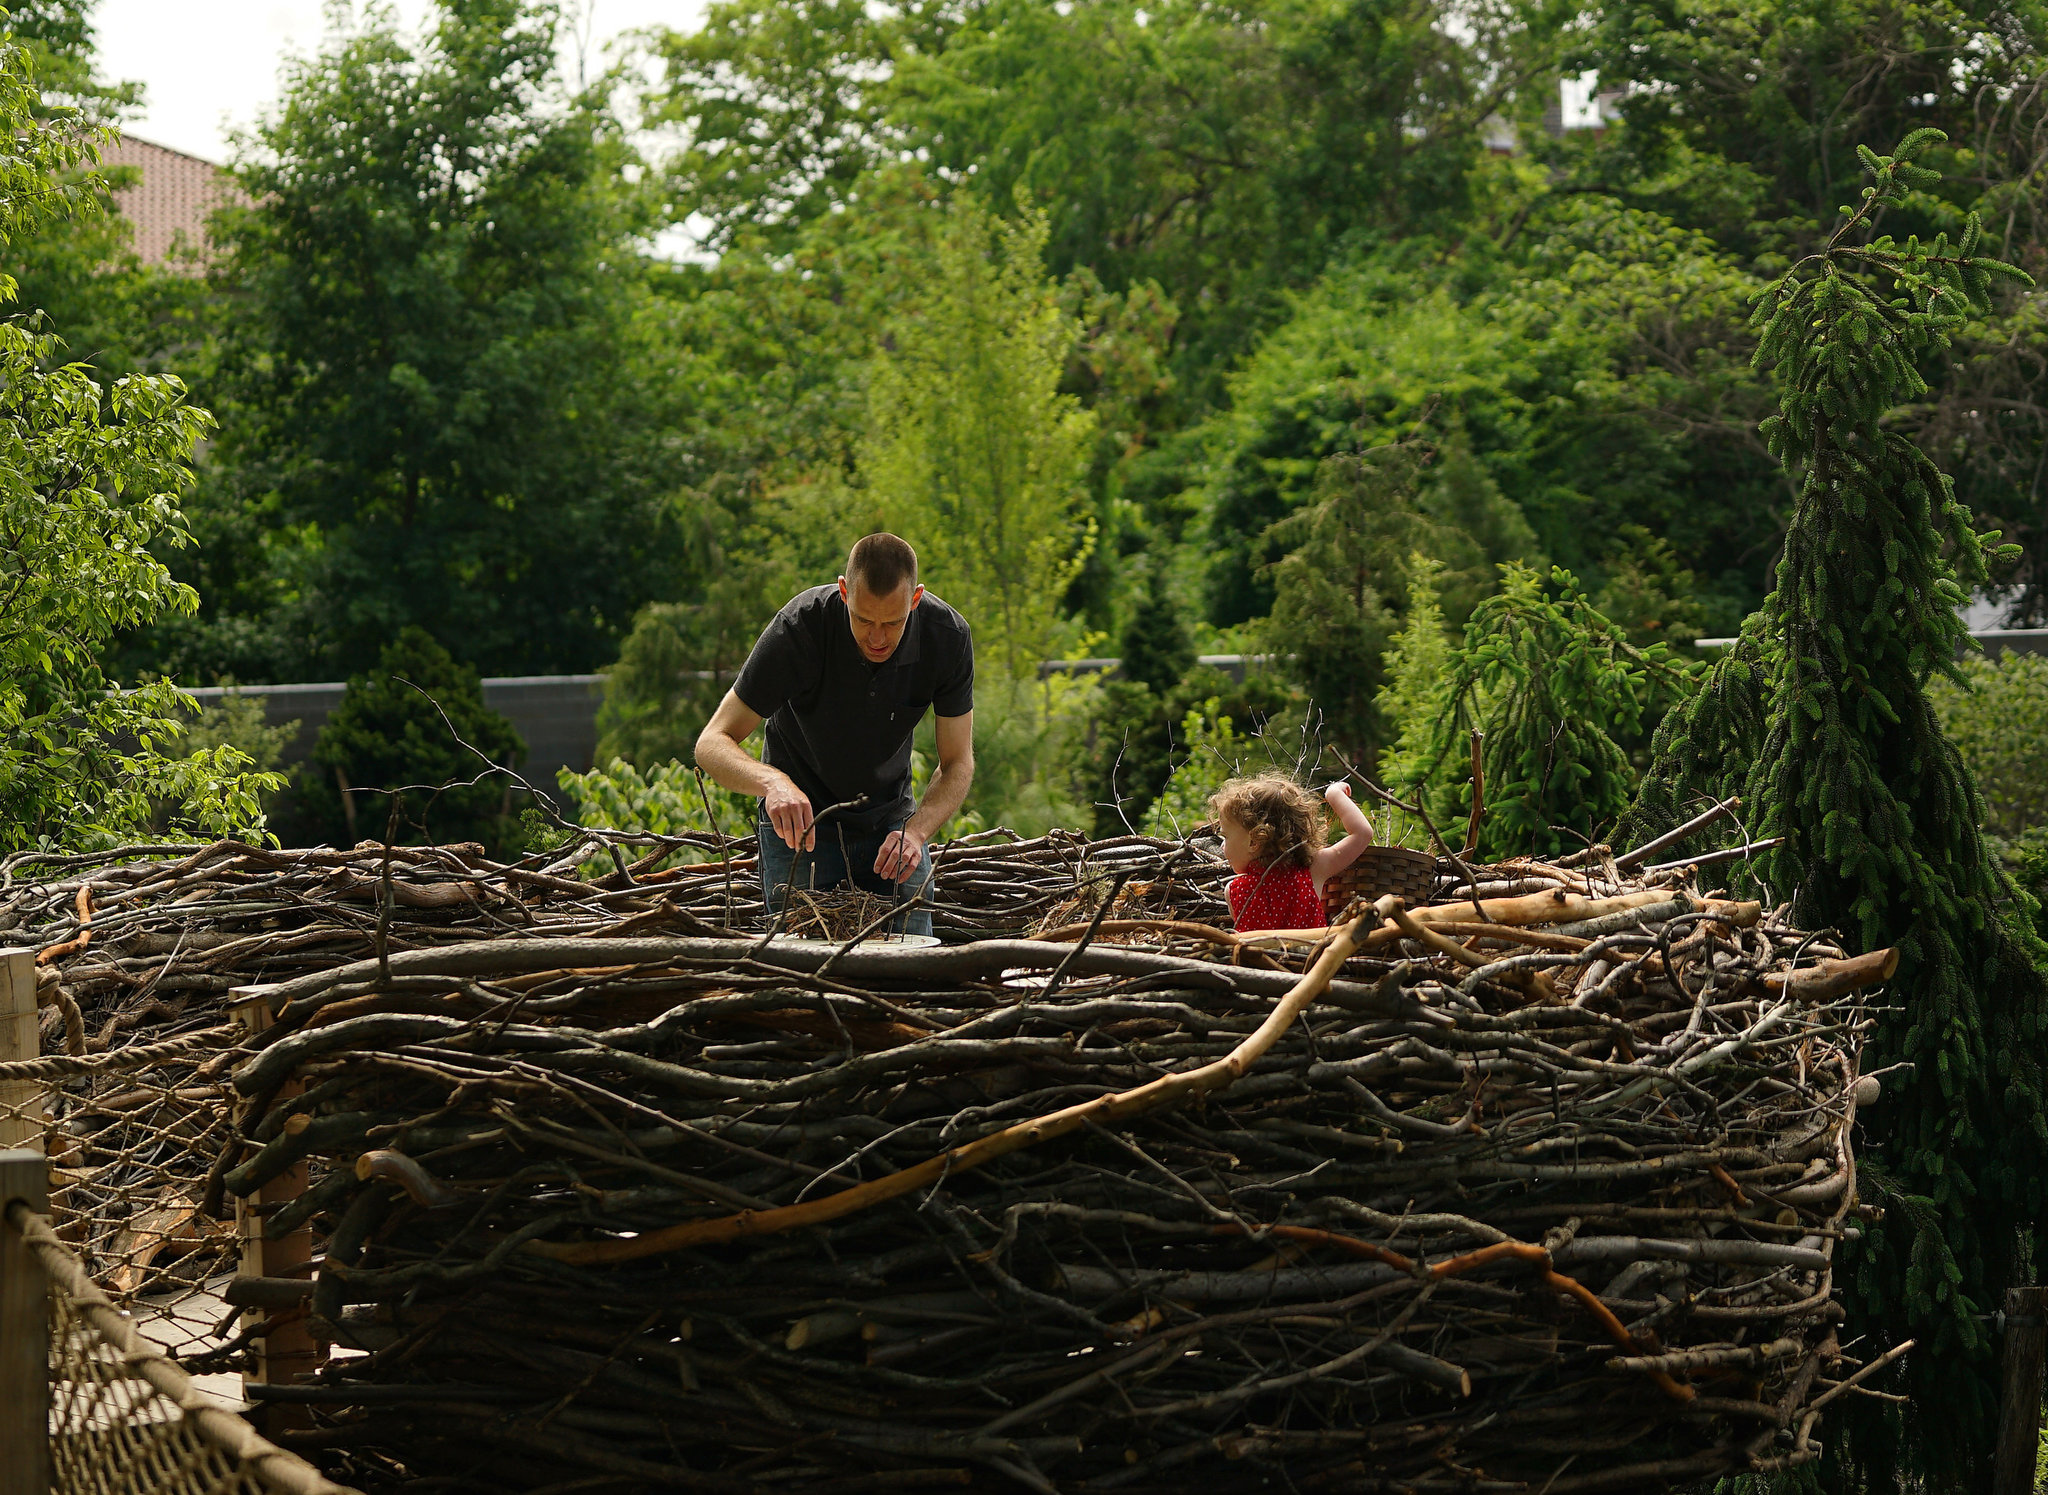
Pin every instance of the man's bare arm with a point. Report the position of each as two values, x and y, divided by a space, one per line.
944 793
722 754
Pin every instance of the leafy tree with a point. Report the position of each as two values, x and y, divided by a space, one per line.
972 452
438 350
388 761
241 721
87 482
668 679
1996 714
666 799
1214 754
780 119
109 310
1025 733
1743 121
1822 718
1652 596
1562 370
1224 152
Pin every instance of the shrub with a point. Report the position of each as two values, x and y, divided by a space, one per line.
387 758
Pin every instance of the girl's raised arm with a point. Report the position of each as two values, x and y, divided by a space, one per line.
1357 836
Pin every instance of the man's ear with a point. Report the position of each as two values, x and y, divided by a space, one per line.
917 596
842 592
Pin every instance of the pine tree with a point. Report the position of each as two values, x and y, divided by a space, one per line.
1820 717
1158 646
1338 588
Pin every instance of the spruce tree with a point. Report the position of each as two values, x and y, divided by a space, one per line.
1158 646
1820 717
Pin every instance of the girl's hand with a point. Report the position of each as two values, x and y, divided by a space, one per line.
1335 792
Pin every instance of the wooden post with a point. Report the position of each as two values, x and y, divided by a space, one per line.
288 1353
24 1333
21 1117
2019 1425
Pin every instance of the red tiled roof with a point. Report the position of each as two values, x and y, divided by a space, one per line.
173 197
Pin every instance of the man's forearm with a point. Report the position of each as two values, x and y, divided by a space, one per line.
943 796
730 764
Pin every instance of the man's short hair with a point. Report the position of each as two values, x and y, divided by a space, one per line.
881 565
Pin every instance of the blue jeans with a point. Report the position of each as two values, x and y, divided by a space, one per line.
841 855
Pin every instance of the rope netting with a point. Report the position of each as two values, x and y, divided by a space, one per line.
125 1419
127 1134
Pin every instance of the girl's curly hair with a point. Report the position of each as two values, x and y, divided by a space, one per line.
1285 819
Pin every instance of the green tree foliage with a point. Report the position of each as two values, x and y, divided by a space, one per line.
1217 152
1337 588
667 799
1130 748
1744 123
1158 647
1562 697
80 271
440 413
242 722
388 761
1823 720
672 670
1996 714
87 482
1654 598
1223 151
972 452
1562 369
1024 736
776 101
1417 693
1214 753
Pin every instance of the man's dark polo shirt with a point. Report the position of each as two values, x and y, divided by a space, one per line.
840 726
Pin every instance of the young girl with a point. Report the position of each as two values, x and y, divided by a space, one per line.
1272 831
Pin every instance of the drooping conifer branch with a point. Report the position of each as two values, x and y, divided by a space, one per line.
1820 719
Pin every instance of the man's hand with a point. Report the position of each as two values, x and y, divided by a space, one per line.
789 811
900 854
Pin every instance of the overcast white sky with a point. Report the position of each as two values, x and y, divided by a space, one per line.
211 65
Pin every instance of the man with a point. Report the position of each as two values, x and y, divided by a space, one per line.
841 676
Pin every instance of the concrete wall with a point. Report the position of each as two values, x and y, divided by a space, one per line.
556 716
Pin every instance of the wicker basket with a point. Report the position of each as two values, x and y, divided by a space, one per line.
1381 870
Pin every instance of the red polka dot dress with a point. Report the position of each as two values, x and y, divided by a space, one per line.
1275 898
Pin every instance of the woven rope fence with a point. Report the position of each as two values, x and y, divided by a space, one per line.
125 1419
124 1133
